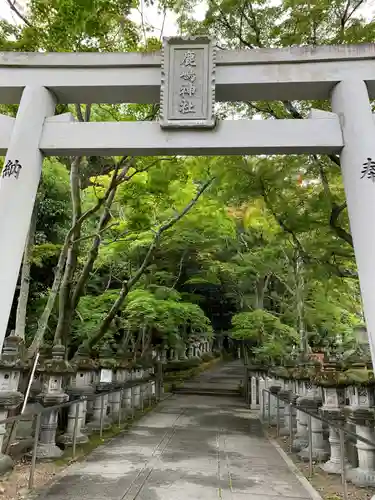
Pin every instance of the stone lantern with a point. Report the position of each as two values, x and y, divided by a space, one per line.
288 398
10 398
176 352
136 388
163 357
197 353
103 383
333 410
121 376
190 351
361 413
126 398
182 355
301 437
52 372
274 389
312 401
80 387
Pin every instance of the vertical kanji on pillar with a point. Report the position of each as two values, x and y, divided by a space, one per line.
19 182
350 100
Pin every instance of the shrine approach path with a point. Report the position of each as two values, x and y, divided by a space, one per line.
191 447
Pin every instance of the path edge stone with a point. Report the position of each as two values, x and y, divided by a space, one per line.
314 494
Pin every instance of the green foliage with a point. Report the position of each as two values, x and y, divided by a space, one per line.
170 319
271 340
259 325
236 252
53 202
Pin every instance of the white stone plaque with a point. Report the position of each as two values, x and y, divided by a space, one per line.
187 95
106 376
54 384
5 381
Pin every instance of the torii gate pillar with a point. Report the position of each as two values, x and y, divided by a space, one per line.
350 100
18 188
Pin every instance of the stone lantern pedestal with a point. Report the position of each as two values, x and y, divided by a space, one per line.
274 390
80 386
319 447
10 398
182 351
333 410
197 350
361 413
190 351
52 371
263 399
103 383
136 396
119 400
126 391
288 398
116 398
301 439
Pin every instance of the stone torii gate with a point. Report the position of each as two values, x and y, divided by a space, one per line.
187 78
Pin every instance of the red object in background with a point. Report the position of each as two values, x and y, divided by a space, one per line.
319 356
300 180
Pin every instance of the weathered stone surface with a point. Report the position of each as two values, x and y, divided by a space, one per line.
188 83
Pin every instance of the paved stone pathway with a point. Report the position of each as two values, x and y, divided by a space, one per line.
193 447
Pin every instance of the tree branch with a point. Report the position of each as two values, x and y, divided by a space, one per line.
93 252
25 277
71 261
335 209
341 233
12 5
180 268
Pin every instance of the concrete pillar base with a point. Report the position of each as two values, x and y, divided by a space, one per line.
361 477
319 454
300 442
334 467
48 451
67 439
94 425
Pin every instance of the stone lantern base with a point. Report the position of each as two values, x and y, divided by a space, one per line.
6 463
361 477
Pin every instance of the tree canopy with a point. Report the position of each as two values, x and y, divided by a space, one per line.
139 252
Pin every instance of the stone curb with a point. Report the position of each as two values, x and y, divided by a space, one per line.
314 494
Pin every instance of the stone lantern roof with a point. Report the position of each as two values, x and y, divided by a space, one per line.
57 365
82 360
10 358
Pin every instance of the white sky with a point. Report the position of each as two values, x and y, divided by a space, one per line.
160 25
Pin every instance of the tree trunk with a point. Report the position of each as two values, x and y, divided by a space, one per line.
43 320
260 290
65 309
25 278
93 252
300 289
